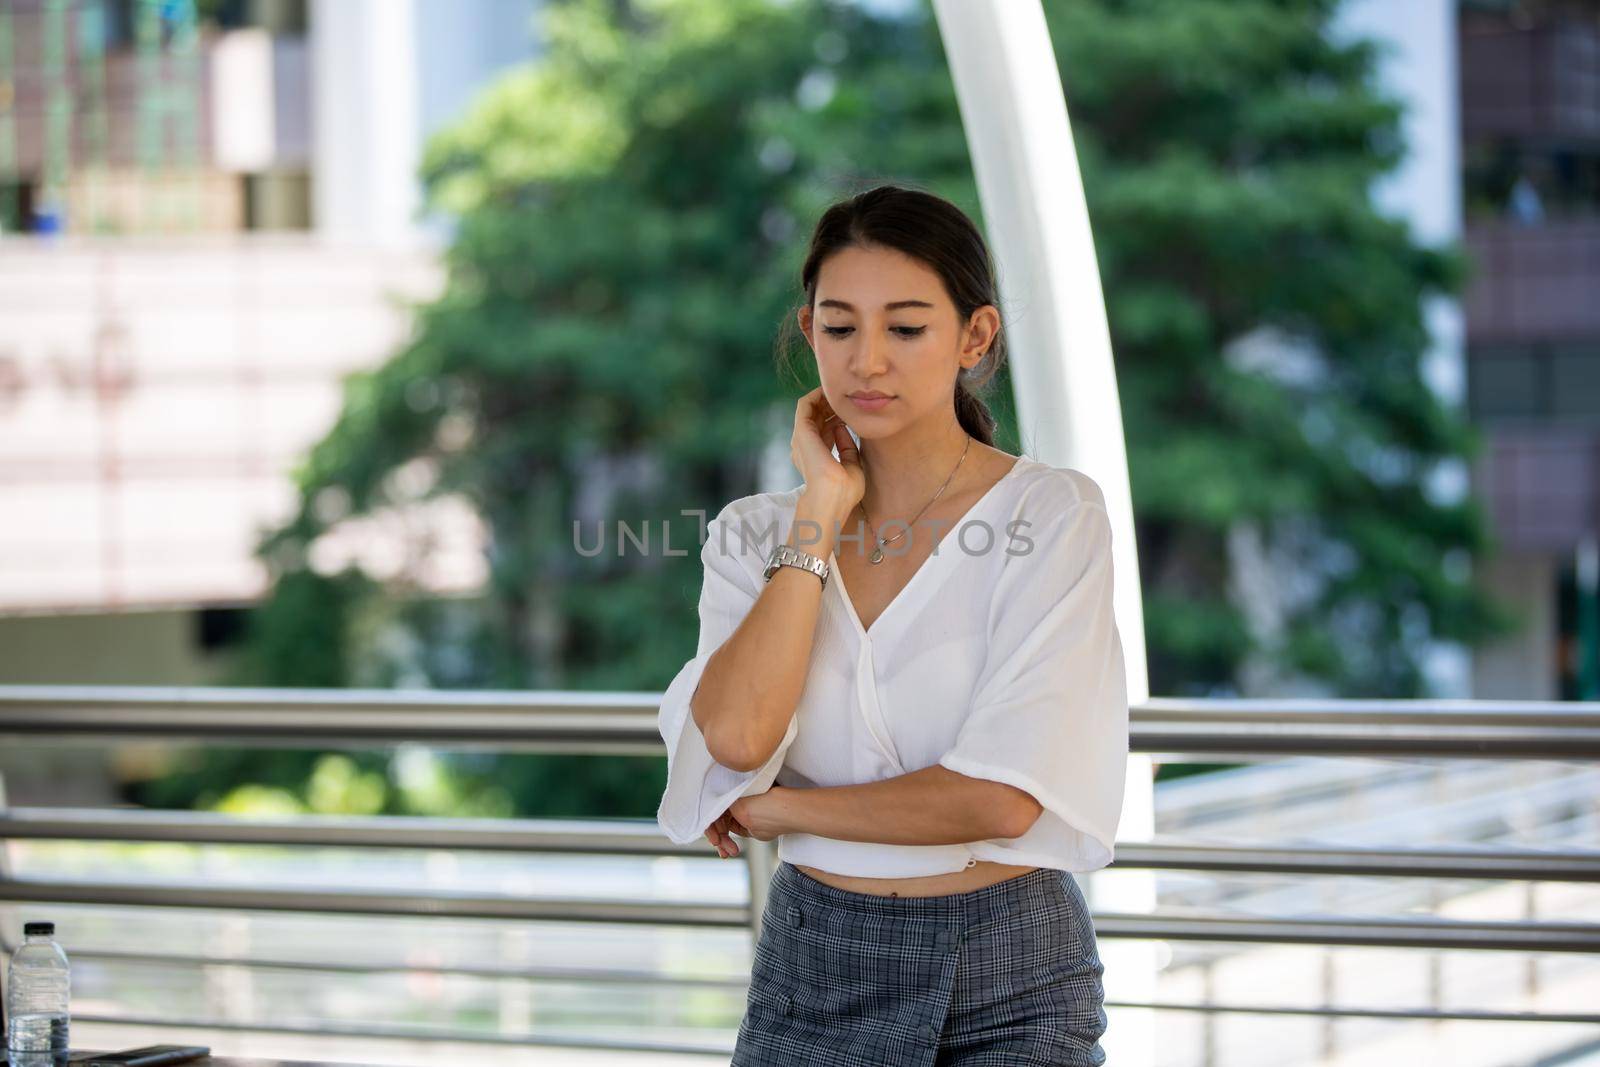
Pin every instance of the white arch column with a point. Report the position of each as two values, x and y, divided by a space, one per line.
1015 116
365 141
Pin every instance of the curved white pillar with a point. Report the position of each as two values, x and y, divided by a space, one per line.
1015 116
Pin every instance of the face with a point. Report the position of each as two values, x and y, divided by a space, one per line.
888 341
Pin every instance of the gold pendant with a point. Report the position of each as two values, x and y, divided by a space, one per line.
877 553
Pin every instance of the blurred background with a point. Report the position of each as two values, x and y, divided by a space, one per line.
326 326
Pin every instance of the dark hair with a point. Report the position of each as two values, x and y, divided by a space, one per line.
935 231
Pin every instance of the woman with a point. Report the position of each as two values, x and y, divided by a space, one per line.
933 728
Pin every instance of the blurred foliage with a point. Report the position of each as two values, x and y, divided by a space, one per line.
631 214
1228 149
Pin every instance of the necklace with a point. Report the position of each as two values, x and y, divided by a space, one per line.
877 548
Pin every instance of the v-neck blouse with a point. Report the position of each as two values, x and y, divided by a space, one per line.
998 659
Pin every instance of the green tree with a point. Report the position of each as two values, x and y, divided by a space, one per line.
1227 150
631 212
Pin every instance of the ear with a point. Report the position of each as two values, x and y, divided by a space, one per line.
982 329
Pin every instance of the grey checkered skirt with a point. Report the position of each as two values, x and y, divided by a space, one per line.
1007 975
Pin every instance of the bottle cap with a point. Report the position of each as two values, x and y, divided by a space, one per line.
29 929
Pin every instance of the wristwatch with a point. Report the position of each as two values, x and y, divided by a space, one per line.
788 555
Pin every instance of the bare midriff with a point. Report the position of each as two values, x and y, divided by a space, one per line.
980 874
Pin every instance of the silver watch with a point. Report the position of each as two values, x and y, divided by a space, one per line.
788 555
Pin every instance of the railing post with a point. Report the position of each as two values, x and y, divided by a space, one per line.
5 915
1329 1039
1530 913
760 860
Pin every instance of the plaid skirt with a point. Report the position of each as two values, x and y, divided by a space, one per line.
1006 975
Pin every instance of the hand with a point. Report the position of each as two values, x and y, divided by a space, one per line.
752 816
758 815
817 431
720 833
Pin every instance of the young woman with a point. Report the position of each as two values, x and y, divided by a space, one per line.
918 691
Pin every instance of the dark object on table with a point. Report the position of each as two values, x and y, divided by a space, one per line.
148 1056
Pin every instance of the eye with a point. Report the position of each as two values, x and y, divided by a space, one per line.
903 331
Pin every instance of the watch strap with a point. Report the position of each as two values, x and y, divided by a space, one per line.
786 555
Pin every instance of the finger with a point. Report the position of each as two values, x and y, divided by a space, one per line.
813 412
820 411
806 407
808 420
729 825
824 410
830 419
848 453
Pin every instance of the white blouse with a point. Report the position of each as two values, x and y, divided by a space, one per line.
999 659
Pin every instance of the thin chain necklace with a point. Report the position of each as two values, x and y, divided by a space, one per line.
877 548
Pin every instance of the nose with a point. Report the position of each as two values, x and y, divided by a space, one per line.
869 359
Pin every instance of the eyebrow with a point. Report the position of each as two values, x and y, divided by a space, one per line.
891 306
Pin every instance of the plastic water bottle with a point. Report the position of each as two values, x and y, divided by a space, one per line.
38 991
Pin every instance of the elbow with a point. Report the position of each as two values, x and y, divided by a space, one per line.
729 742
728 752
736 757
1019 815
713 732
724 734
745 754
734 753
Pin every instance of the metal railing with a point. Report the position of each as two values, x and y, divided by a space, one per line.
625 723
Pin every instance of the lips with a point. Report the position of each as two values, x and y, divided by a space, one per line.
870 401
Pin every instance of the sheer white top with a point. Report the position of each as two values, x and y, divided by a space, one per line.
999 659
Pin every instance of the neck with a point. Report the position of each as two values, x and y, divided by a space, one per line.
903 472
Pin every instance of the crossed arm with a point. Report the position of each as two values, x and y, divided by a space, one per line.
931 806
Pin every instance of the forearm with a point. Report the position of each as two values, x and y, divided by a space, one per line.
931 806
752 683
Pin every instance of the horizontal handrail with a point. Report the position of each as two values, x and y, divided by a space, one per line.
1384 711
624 723
169 1025
1516 936
1414 1014
1563 865
575 975
637 837
437 904
617 723
553 1040
1509 935
1440 728
605 837
737 984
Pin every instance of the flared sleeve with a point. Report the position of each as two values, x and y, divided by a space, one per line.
699 789
1049 712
